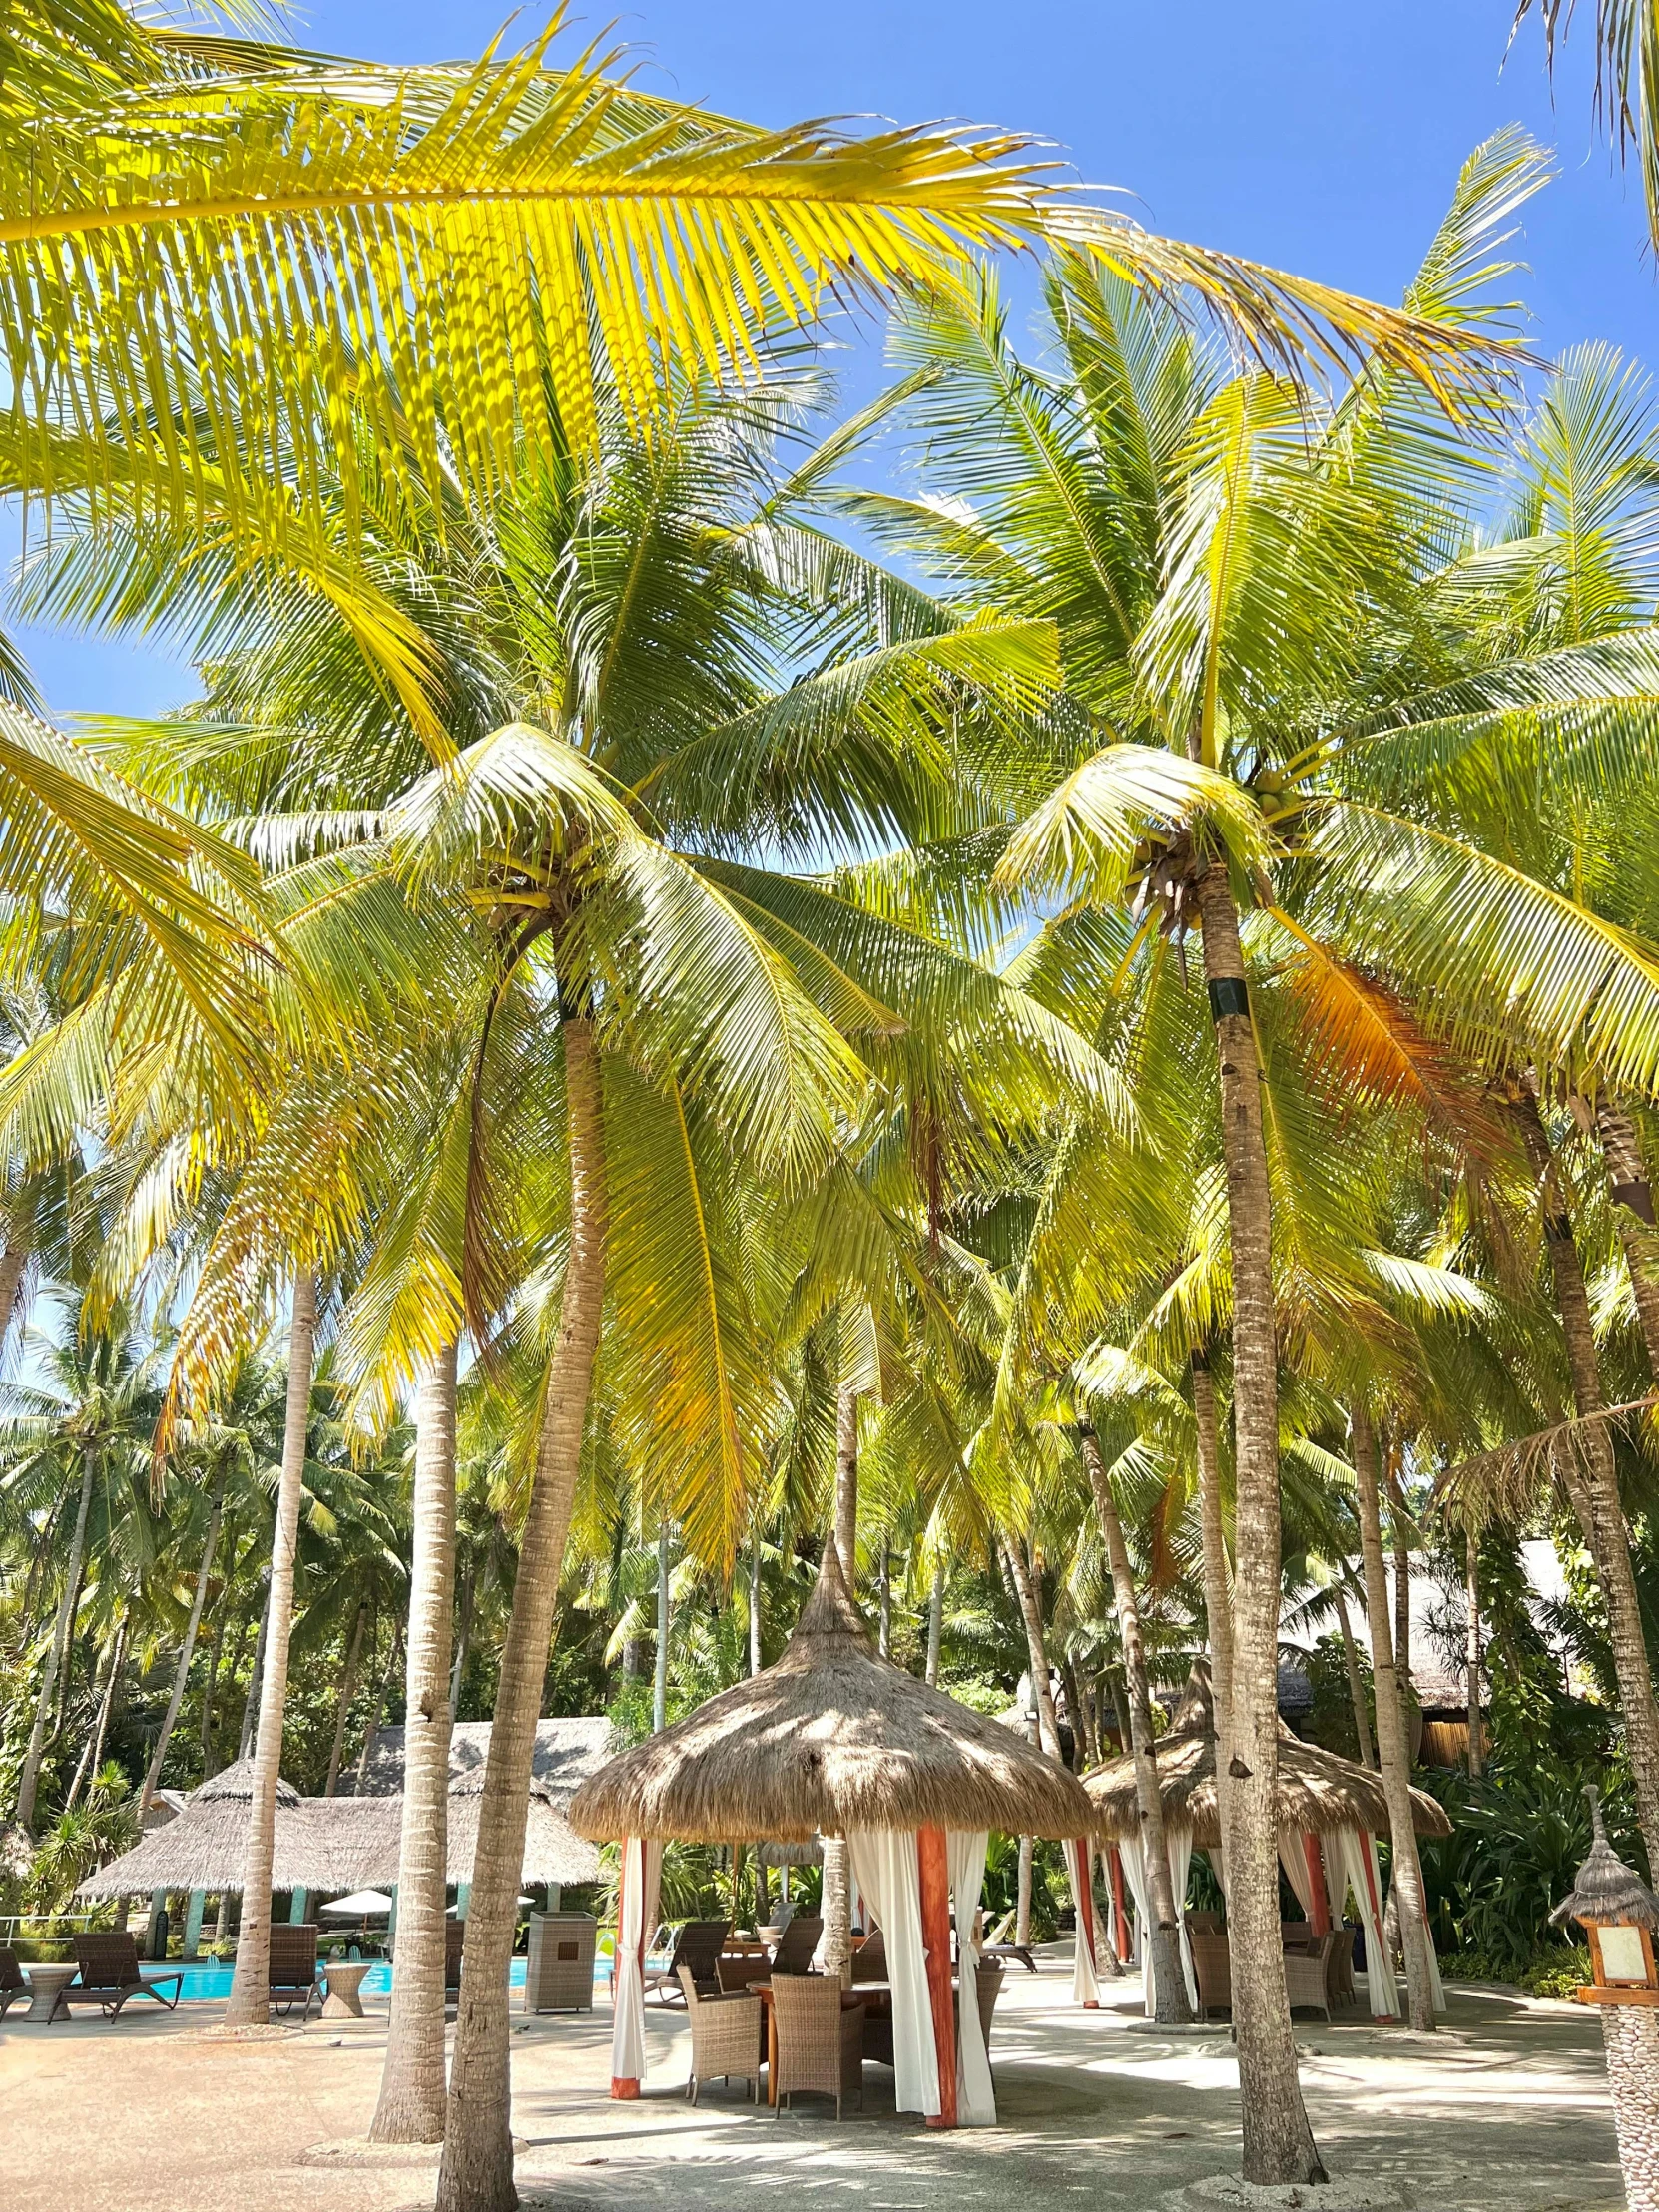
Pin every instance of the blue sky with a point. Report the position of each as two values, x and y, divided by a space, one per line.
1317 137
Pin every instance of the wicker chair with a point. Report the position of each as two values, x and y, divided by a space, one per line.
1213 1966
989 1979
14 1989
1340 1976
870 1960
795 1953
738 1970
1306 1975
819 2042
726 2036
291 1976
1296 1935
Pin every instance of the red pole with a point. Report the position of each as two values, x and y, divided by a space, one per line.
933 1865
1316 1883
1085 1903
1119 1914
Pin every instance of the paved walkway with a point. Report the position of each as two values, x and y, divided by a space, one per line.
1507 2107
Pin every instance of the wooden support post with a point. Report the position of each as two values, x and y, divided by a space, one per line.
463 1899
1119 1913
193 1924
933 1862
1320 1906
298 1902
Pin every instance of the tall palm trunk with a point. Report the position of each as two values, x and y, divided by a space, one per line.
249 2002
1632 1194
1355 1686
386 1680
466 1612
659 1687
476 2173
1277 2143
1217 1597
14 1265
935 1622
187 1651
92 1756
834 1948
413 2089
1399 1527
1472 1645
1592 1483
1036 1645
846 1483
256 1676
63 1629
1169 1988
755 1610
215 1645
348 1691
1392 1740
883 1637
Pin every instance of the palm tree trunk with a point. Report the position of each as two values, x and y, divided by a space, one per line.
386 1680
413 2089
1169 1988
659 1687
1217 1597
1632 1194
348 1691
248 2003
883 1637
63 1629
1592 1483
936 1623
256 1676
755 1607
187 1651
1022 1895
846 1485
1471 1647
1399 1528
467 1612
476 2173
14 1263
1031 1613
94 1751
1277 2143
1355 1683
215 1645
1392 1740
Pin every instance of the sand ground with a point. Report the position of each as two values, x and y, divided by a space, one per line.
1507 2107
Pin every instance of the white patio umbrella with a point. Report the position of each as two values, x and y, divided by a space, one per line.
359 1905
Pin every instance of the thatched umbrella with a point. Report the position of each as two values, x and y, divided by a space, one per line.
1319 1792
1329 1812
835 1740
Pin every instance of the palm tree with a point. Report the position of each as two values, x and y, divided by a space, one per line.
1247 609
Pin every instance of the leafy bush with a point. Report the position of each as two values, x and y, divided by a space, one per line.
1556 1972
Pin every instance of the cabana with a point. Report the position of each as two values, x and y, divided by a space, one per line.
836 1741
1331 1812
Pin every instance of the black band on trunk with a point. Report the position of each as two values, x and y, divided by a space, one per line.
1227 995
1558 1228
1638 1197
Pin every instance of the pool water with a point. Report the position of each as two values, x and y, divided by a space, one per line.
204 1983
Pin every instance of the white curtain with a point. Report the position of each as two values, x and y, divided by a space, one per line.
1178 1842
1294 1859
886 1869
1134 1867
975 2097
1363 1876
642 1867
1085 1983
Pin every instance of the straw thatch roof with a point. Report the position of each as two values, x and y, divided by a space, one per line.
328 1845
829 1738
1606 1888
1317 1788
567 1751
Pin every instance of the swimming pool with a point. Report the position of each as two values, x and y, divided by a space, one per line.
203 1984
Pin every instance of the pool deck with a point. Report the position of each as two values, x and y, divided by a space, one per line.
1507 2107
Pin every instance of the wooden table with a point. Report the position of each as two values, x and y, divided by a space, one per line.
45 1981
343 1979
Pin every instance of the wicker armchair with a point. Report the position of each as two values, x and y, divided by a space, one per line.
1306 1975
725 2038
1213 1967
1339 1978
819 2044
989 1979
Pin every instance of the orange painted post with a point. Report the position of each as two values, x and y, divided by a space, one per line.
1118 1913
933 1864
1316 1883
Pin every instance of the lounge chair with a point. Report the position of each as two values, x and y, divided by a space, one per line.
793 1955
292 1976
1307 1976
109 1977
870 1960
728 2037
819 2040
998 1945
14 1990
1213 1967
697 1946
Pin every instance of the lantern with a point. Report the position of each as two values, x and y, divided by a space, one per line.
1619 1912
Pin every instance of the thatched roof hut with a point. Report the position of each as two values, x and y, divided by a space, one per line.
1319 1792
1606 1888
829 1738
328 1845
568 1749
